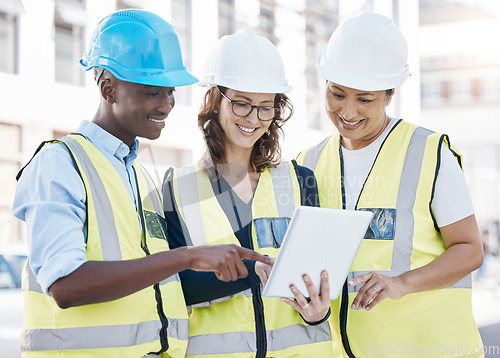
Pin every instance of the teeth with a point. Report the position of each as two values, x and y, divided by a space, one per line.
155 120
245 129
349 123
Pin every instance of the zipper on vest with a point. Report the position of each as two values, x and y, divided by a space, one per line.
156 286
344 309
260 324
344 305
258 310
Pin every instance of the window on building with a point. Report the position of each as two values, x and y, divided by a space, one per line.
129 4
10 10
321 19
461 91
491 88
70 19
182 24
431 92
10 149
267 20
226 17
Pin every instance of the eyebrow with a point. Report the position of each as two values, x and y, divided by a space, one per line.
250 100
357 94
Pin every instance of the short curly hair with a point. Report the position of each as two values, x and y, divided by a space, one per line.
266 151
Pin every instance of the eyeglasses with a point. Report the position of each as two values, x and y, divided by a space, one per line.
243 109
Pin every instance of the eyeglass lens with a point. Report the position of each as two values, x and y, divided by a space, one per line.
243 109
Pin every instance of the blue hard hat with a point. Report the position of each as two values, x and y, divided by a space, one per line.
138 46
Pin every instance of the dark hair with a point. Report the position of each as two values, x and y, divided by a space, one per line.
266 151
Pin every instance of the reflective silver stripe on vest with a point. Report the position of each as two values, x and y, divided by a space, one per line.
403 240
407 192
247 293
242 342
99 337
190 199
282 183
190 202
106 222
153 197
311 158
29 282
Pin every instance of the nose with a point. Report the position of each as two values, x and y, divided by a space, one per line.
348 110
167 102
252 117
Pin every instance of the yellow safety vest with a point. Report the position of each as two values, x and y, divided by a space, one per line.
226 327
150 320
399 190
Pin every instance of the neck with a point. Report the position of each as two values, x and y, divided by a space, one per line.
238 157
238 173
102 119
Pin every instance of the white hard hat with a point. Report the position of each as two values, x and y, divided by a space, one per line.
367 52
246 62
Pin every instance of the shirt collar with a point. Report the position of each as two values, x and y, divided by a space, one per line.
107 142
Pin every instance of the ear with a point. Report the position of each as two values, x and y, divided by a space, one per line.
107 89
389 96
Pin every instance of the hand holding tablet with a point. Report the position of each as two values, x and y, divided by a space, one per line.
317 239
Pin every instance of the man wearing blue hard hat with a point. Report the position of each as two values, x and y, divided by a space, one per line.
100 279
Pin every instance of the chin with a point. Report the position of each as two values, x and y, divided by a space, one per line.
152 136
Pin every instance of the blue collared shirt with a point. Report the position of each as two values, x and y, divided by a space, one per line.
51 199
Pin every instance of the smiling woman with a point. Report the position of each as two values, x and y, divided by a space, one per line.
236 194
412 270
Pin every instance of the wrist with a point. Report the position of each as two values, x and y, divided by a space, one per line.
321 321
184 256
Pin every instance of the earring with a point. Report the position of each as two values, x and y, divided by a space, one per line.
216 111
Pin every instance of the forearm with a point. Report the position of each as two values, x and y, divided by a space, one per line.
95 282
102 281
464 254
455 263
204 286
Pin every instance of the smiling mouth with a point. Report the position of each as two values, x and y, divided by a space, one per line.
350 124
156 120
246 129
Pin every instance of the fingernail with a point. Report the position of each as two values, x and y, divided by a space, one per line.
324 274
367 308
306 278
353 306
351 283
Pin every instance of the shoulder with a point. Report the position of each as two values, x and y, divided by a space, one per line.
303 172
48 157
310 156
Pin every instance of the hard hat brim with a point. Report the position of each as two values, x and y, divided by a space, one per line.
160 79
256 88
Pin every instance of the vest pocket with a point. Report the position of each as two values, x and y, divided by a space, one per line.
383 224
270 231
155 224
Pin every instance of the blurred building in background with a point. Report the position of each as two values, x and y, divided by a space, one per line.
44 94
460 91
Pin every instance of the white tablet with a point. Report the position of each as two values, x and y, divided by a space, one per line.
317 239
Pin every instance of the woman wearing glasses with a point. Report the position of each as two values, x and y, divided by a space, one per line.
239 193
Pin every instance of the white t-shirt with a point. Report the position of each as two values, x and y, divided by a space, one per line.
452 200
